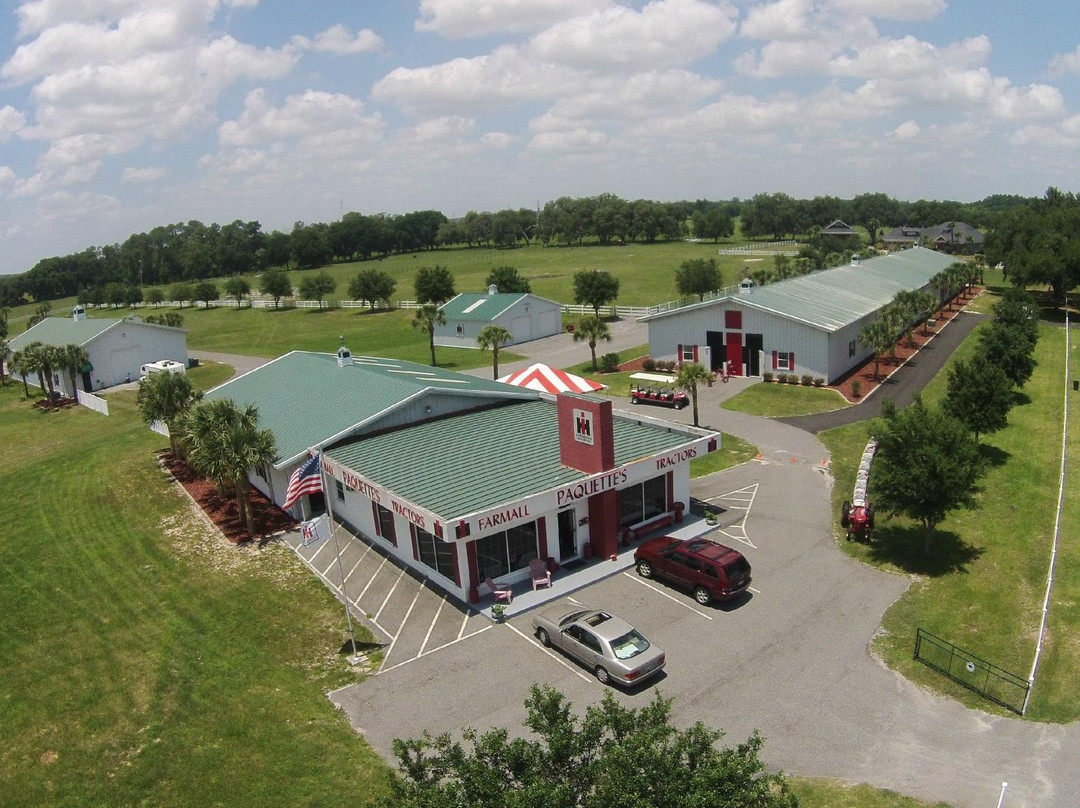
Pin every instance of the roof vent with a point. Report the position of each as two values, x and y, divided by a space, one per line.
854 259
493 289
78 313
745 286
344 355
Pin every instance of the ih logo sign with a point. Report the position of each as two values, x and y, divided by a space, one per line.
583 427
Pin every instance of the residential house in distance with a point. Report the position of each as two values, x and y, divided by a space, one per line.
838 228
949 237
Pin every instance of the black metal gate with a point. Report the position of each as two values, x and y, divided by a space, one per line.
986 679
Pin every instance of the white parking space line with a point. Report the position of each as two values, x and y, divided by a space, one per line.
755 591
550 653
390 594
315 555
357 564
431 628
740 500
373 577
404 620
666 595
330 565
433 650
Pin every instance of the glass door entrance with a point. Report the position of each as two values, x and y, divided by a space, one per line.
567 534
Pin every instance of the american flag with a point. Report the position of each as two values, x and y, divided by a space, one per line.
305 480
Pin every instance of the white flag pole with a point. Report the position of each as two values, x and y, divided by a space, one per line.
328 496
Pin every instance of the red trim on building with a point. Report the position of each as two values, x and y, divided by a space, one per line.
695 352
470 560
375 515
774 360
733 319
541 536
671 490
791 361
415 545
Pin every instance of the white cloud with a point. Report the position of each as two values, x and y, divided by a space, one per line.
11 122
785 19
450 127
579 140
147 174
311 114
1062 64
338 41
906 10
908 130
911 58
497 140
7 175
665 33
1043 137
109 74
458 19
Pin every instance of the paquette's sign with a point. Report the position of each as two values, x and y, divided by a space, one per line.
376 493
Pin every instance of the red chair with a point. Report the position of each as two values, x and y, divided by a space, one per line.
539 573
500 591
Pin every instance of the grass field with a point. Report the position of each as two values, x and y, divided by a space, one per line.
143 662
982 586
816 792
783 400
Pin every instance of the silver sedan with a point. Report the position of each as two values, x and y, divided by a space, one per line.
611 648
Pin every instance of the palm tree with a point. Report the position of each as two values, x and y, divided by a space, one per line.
494 337
165 397
592 329
20 363
690 375
75 357
427 317
51 361
223 442
34 362
878 337
3 360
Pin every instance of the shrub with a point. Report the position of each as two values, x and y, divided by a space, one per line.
856 388
609 363
807 380
766 377
793 378
819 382
649 365
665 365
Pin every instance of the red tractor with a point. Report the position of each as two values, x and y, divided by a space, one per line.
858 521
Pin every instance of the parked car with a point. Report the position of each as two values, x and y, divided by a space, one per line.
611 648
709 569
664 396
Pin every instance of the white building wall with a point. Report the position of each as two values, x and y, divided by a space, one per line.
118 354
528 319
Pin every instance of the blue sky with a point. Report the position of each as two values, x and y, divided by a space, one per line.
119 115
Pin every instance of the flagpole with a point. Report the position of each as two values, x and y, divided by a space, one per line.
328 496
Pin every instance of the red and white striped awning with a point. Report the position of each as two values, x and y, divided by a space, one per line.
547 379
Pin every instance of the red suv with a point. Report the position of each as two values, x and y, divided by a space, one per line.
711 570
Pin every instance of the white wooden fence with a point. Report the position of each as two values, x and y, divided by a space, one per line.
786 247
92 402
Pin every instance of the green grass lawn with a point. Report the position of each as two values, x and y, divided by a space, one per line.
982 586
783 400
816 792
143 661
733 451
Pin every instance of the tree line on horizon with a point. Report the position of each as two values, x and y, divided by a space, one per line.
195 251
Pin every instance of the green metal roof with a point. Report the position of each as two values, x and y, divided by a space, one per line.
62 331
833 298
478 460
479 307
306 400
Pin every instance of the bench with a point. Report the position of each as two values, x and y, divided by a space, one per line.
648 527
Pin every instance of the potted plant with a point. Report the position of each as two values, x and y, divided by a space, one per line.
498 611
710 517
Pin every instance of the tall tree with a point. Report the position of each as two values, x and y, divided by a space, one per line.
596 288
75 358
275 283
372 286
1037 243
1008 348
165 397
222 442
979 394
592 330
697 277
237 288
206 291
493 337
878 336
507 279
317 286
927 464
434 284
689 376
21 363
613 756
3 359
426 318
182 292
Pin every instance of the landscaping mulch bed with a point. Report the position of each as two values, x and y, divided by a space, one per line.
223 511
